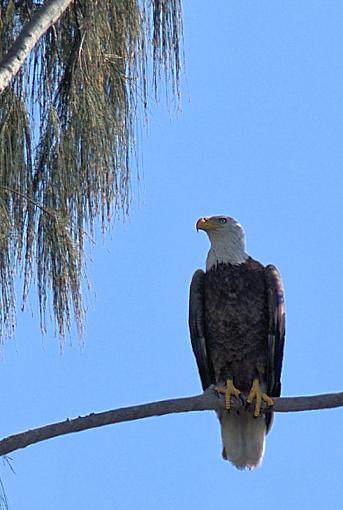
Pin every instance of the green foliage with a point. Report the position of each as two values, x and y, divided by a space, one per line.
67 134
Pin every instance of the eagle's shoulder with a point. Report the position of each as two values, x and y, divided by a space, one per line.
253 265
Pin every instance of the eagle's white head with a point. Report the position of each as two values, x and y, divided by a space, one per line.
227 240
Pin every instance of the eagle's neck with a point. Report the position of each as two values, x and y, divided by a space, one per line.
226 250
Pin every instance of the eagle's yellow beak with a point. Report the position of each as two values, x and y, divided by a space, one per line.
205 224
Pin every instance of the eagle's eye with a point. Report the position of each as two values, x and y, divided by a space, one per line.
222 220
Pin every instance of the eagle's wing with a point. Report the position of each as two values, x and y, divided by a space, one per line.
276 332
197 329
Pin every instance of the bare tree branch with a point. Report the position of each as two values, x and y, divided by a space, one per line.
46 16
208 401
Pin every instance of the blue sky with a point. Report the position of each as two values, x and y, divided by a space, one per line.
260 138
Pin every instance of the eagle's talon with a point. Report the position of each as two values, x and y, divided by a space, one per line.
229 391
259 396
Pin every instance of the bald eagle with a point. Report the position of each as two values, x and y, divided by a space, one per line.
237 328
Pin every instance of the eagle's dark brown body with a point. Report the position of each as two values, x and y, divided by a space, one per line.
236 322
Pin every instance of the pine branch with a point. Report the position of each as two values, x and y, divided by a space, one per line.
208 401
40 22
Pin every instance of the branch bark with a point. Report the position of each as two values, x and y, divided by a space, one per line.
208 401
46 16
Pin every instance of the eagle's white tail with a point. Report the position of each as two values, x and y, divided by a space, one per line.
243 438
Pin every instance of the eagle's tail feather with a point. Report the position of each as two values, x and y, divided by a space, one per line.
243 438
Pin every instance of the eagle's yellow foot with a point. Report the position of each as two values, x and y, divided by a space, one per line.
256 393
229 390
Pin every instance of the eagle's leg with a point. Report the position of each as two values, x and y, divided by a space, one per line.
256 393
229 390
